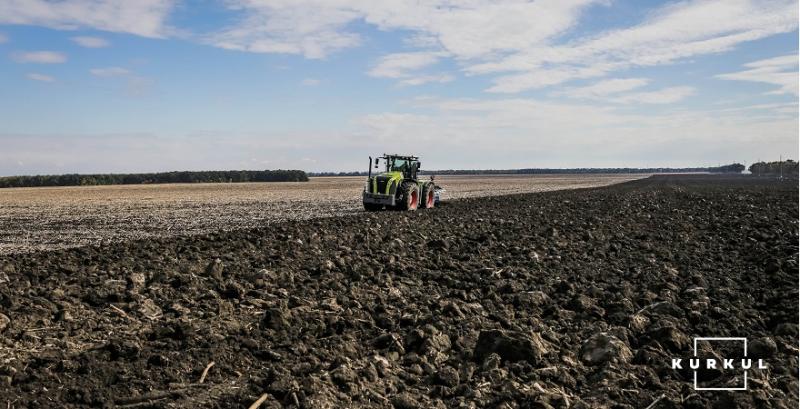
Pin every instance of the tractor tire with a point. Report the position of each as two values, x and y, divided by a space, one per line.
428 195
409 196
372 207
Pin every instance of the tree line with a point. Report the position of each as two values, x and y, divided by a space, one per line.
785 168
211 176
732 168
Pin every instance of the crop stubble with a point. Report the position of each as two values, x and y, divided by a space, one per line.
33 219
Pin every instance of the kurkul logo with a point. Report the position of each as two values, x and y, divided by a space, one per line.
742 364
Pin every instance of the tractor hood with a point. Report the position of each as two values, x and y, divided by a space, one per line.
385 183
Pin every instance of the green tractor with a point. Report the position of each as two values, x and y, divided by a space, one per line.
398 187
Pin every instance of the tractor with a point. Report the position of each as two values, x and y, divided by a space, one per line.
398 186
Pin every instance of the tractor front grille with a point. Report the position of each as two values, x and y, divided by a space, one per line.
381 182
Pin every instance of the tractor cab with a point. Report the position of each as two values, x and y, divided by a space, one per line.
406 165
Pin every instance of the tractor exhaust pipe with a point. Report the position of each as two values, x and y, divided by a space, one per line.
369 169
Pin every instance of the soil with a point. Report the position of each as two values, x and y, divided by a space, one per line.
562 299
35 219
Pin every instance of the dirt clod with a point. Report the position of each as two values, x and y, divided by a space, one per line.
604 347
4 321
510 346
764 347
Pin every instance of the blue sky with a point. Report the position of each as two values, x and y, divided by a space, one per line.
153 85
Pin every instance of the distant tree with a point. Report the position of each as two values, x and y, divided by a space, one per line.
786 168
732 168
165 177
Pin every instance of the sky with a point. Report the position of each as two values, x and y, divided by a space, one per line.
99 86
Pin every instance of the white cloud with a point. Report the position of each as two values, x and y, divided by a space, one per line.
605 88
400 65
109 72
454 133
145 18
39 77
663 96
313 29
426 79
514 38
780 107
524 132
479 28
780 71
617 91
316 28
671 34
407 67
39 57
90 42
518 41
540 78
521 45
784 61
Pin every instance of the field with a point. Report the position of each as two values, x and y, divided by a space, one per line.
48 218
562 299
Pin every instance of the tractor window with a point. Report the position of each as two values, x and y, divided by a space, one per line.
398 165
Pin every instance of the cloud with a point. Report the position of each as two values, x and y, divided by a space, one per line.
784 61
500 133
109 72
780 107
400 65
310 28
663 96
780 71
519 42
482 28
121 152
40 57
39 77
426 79
408 68
604 88
671 34
90 42
145 18
541 78
310 82
3 38
472 29
526 132
617 91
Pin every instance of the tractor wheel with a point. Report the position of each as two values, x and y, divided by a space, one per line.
409 197
428 195
372 207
